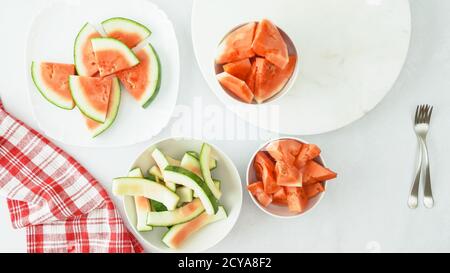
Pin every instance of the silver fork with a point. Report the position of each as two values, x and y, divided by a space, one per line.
421 127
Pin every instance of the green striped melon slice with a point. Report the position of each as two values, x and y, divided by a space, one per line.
83 53
128 31
91 96
144 80
179 234
96 128
130 186
52 81
174 217
112 56
142 204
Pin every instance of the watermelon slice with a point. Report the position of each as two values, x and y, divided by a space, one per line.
178 234
236 86
270 79
91 96
84 57
129 32
269 43
239 69
97 128
112 56
52 81
237 45
144 80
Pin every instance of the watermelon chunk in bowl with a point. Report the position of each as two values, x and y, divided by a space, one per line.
288 201
261 55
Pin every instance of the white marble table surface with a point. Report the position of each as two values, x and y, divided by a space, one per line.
364 210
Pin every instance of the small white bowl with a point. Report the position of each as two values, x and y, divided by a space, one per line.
292 50
281 211
231 198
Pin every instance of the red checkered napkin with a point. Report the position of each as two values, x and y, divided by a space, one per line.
62 207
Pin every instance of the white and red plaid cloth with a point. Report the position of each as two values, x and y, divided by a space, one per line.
62 207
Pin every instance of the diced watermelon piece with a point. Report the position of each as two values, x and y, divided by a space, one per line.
313 170
251 77
239 69
269 43
308 152
297 199
285 150
265 171
280 197
236 86
237 45
270 79
288 175
257 190
313 190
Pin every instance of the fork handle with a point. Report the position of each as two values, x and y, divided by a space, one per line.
414 194
428 194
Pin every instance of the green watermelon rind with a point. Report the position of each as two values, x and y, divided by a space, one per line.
80 70
80 105
125 22
42 90
221 214
155 86
115 93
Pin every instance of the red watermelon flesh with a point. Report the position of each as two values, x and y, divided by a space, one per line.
97 92
237 45
285 150
239 69
265 171
269 43
288 175
308 152
257 190
236 86
270 79
251 77
313 171
88 56
297 199
128 38
313 190
136 79
111 61
56 77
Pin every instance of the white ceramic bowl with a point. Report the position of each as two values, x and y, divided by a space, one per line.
281 211
292 50
231 198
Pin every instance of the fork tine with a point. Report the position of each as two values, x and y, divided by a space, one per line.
429 114
421 115
416 118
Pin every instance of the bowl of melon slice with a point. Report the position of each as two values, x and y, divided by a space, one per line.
256 62
181 195
287 177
